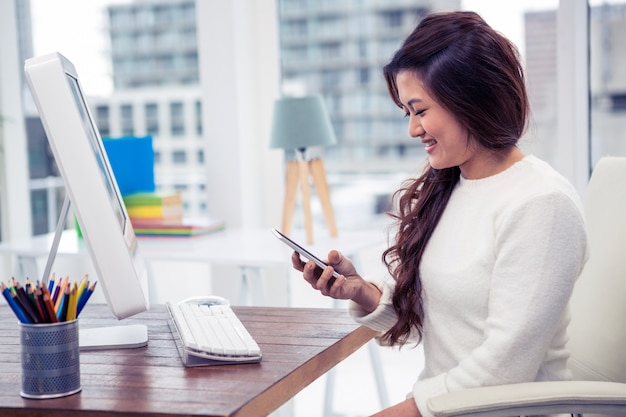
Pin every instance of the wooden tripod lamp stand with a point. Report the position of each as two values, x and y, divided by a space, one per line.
300 123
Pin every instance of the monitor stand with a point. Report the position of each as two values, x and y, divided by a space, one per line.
97 338
113 337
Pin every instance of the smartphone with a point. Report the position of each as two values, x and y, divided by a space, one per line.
293 245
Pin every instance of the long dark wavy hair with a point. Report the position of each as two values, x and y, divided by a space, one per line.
475 73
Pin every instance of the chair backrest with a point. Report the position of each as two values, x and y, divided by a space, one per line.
598 327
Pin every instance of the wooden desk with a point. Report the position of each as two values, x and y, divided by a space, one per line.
299 345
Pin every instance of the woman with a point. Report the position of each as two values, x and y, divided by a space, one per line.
489 241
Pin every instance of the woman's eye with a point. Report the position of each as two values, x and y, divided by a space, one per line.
420 112
407 114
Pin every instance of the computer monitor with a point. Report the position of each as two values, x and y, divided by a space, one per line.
90 183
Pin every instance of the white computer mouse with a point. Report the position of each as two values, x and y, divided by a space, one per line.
206 300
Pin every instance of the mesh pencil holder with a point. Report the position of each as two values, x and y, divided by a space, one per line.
50 359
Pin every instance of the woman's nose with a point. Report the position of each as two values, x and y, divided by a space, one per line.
415 127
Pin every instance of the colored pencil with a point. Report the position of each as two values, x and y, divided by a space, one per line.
71 306
85 297
83 284
63 301
50 308
51 283
34 303
9 296
39 308
64 283
22 298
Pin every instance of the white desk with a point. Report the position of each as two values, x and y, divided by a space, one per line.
253 247
251 250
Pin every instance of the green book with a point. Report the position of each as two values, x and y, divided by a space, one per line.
152 199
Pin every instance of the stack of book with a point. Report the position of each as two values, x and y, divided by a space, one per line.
154 208
161 215
185 228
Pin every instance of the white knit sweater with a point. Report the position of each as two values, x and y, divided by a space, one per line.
497 275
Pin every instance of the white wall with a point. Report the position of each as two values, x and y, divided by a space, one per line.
239 74
573 93
14 193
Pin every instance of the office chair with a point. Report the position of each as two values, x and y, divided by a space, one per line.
597 330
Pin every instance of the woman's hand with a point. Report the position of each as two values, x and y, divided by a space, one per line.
349 286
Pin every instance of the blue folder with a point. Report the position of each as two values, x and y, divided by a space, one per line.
132 161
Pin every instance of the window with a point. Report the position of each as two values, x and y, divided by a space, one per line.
387 47
152 119
541 63
363 130
371 29
199 118
370 130
328 25
362 48
330 79
179 157
295 54
177 119
618 102
144 18
163 15
297 27
333 102
163 63
607 78
330 50
145 41
188 12
103 120
391 18
293 4
126 120
363 76
122 18
191 60
534 32
189 38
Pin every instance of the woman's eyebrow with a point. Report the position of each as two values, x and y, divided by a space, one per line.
414 100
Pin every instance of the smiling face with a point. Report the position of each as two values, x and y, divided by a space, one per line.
447 142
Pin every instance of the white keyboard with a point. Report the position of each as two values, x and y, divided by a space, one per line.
208 332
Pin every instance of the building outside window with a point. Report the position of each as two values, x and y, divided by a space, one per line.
608 79
337 49
392 18
103 120
179 157
198 118
152 119
127 120
177 119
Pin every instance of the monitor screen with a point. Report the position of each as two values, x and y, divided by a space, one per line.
98 151
90 183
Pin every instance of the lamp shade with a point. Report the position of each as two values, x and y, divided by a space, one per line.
301 122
